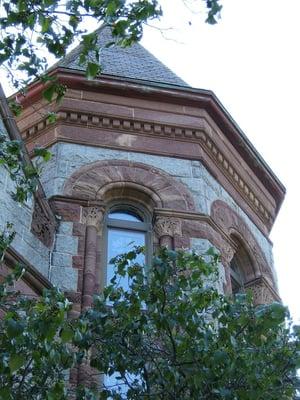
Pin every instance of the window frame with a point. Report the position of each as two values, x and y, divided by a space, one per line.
144 226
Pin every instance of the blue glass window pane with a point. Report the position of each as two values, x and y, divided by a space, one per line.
116 383
122 241
124 216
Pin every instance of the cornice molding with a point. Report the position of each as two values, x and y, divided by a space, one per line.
206 99
202 135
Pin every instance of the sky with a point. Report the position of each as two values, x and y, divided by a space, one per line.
251 61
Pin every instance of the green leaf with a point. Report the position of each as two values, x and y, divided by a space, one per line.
51 118
46 24
16 361
5 393
49 92
41 152
92 70
66 335
14 328
15 108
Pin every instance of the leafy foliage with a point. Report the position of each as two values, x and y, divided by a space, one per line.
171 335
33 356
25 176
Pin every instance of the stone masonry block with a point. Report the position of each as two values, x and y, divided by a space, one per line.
197 172
61 259
3 178
195 163
173 166
40 262
200 245
65 228
62 168
218 279
64 278
66 244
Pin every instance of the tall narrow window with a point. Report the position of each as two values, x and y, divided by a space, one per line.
126 228
241 269
237 279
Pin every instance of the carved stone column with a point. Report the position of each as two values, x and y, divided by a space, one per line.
92 217
99 262
75 299
166 228
227 252
227 286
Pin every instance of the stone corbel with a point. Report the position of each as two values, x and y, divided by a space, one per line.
263 293
43 223
166 228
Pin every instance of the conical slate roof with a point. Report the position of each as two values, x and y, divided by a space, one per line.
133 62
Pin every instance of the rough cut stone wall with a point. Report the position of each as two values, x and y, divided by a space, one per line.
62 273
25 243
200 246
67 158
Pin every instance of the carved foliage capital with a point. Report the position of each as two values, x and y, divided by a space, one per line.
167 226
93 216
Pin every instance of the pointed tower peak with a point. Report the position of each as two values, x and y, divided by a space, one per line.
134 62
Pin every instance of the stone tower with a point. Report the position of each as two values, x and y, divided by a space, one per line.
139 156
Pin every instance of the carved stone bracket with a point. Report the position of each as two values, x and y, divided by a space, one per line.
43 223
262 291
93 216
168 226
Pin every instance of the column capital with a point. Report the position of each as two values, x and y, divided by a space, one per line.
93 216
167 226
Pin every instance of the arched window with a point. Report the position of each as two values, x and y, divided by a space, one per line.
236 276
241 268
126 226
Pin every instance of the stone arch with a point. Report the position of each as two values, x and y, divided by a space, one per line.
97 180
247 265
236 228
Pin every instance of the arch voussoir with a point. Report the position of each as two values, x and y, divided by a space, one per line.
233 225
93 180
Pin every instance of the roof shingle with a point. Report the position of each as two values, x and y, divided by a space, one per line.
133 62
